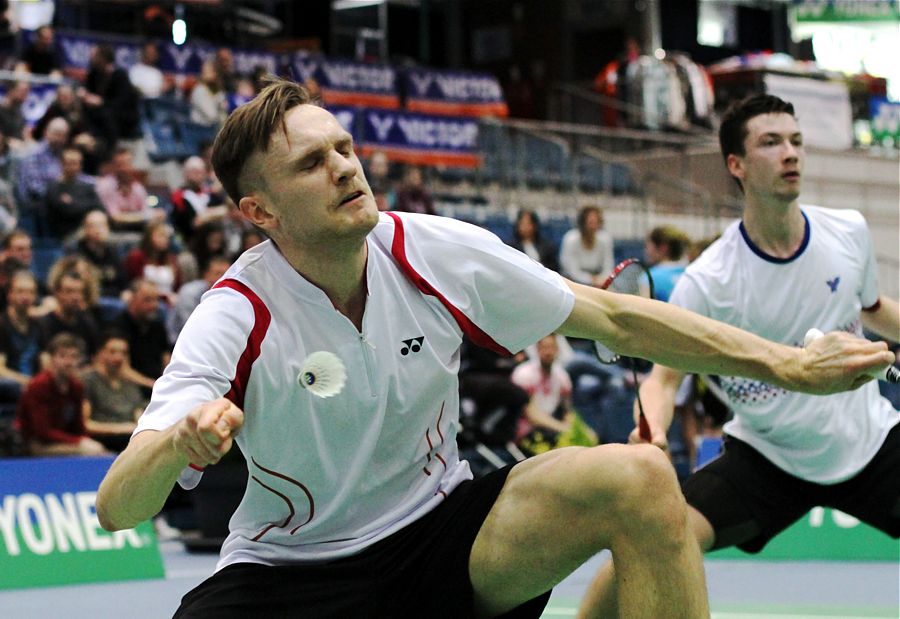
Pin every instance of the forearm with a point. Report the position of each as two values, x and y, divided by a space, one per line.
139 481
658 395
109 427
539 419
676 338
885 321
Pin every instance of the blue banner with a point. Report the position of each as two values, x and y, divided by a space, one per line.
454 93
347 116
173 59
343 82
421 139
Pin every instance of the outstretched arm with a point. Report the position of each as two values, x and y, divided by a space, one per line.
884 320
141 478
685 341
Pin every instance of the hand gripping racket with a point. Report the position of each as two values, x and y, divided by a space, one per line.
890 374
629 277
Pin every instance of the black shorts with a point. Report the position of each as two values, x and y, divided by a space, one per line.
748 500
420 571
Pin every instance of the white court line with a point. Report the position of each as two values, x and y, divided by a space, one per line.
570 612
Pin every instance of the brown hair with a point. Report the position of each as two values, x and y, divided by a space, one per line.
675 240
65 340
249 129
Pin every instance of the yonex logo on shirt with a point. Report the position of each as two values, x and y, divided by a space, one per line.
833 283
412 345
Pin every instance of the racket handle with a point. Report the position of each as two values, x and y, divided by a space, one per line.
889 374
644 428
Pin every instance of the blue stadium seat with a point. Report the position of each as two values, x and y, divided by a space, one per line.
194 136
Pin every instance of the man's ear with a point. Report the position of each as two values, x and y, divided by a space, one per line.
256 212
735 164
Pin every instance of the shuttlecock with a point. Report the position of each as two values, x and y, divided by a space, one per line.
323 374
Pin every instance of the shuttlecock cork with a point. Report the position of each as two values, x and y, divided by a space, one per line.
323 374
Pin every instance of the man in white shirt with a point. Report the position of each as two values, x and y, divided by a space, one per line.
330 355
145 75
783 269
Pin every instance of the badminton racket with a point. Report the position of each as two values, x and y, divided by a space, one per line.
629 277
890 374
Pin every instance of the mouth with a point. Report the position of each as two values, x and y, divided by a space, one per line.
351 197
791 176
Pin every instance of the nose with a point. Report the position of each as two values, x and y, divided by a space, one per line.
791 152
343 168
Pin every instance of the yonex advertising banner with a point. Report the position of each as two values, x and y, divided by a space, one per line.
49 533
420 139
824 535
347 117
454 93
343 82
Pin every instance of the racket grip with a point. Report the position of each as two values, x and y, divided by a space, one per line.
644 428
889 374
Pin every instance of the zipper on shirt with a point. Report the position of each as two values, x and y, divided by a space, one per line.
368 348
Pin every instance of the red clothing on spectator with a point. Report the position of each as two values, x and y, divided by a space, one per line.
48 414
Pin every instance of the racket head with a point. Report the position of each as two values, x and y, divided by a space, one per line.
631 276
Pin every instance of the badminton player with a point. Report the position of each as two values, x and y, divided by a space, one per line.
357 504
783 269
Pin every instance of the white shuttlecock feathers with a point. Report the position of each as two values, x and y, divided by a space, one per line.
323 374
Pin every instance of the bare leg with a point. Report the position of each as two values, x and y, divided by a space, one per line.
601 599
558 509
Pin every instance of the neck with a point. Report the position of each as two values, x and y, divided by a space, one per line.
340 273
776 228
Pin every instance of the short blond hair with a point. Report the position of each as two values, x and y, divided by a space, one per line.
249 129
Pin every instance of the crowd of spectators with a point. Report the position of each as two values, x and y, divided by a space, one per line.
85 332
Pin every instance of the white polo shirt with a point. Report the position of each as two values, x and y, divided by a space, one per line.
829 280
329 477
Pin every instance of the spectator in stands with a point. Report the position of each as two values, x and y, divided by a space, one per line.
143 327
155 260
193 204
527 239
209 242
209 101
96 247
224 65
124 197
50 411
549 412
66 105
71 197
43 165
12 120
21 338
412 196
16 256
664 249
42 56
378 174
112 104
8 159
71 314
145 74
112 403
189 295
73 263
586 252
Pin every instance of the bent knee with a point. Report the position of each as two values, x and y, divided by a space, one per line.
640 484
